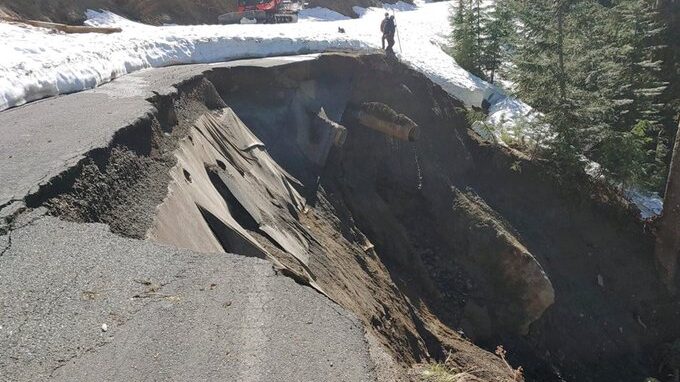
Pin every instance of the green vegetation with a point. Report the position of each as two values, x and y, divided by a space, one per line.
595 70
480 33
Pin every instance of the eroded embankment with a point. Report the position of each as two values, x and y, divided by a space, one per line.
418 239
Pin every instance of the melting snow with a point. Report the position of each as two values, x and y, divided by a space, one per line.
321 14
650 204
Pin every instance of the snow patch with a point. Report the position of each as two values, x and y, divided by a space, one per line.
401 6
360 11
320 14
650 204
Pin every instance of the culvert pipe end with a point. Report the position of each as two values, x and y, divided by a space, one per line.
382 118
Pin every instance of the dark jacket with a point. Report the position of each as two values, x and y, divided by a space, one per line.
390 26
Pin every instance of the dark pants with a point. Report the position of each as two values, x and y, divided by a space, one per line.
390 42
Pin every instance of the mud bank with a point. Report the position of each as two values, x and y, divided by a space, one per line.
437 245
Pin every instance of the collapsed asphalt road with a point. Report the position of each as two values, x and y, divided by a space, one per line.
350 174
46 138
136 159
80 303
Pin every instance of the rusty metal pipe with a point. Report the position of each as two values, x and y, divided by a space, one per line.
382 118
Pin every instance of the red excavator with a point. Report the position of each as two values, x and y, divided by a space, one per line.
263 11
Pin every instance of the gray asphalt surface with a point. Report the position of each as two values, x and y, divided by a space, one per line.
78 303
40 140
170 314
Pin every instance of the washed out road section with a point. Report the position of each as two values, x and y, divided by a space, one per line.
41 140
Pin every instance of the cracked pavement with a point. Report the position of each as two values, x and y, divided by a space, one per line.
78 303
42 139
170 314
5 244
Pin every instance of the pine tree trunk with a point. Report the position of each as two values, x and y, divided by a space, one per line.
668 234
560 47
479 37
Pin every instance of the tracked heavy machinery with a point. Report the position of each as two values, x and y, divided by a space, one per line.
263 11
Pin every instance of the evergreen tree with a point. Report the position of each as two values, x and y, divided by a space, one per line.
497 29
590 70
668 12
590 67
466 36
636 33
542 75
476 21
630 82
461 38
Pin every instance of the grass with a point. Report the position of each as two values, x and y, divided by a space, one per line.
443 372
439 372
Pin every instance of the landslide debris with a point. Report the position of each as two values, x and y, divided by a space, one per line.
432 244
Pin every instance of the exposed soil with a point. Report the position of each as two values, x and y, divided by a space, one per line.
123 185
428 243
121 194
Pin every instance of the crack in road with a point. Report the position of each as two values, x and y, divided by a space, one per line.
8 203
8 245
9 227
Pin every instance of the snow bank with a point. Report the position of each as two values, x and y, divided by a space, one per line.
321 14
36 63
650 204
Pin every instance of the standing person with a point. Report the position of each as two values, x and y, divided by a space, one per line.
382 28
390 30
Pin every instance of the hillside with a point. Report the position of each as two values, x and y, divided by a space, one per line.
156 12
345 6
420 241
147 11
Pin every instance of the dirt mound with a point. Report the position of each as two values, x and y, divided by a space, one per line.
155 12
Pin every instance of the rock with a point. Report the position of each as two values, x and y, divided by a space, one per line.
515 287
